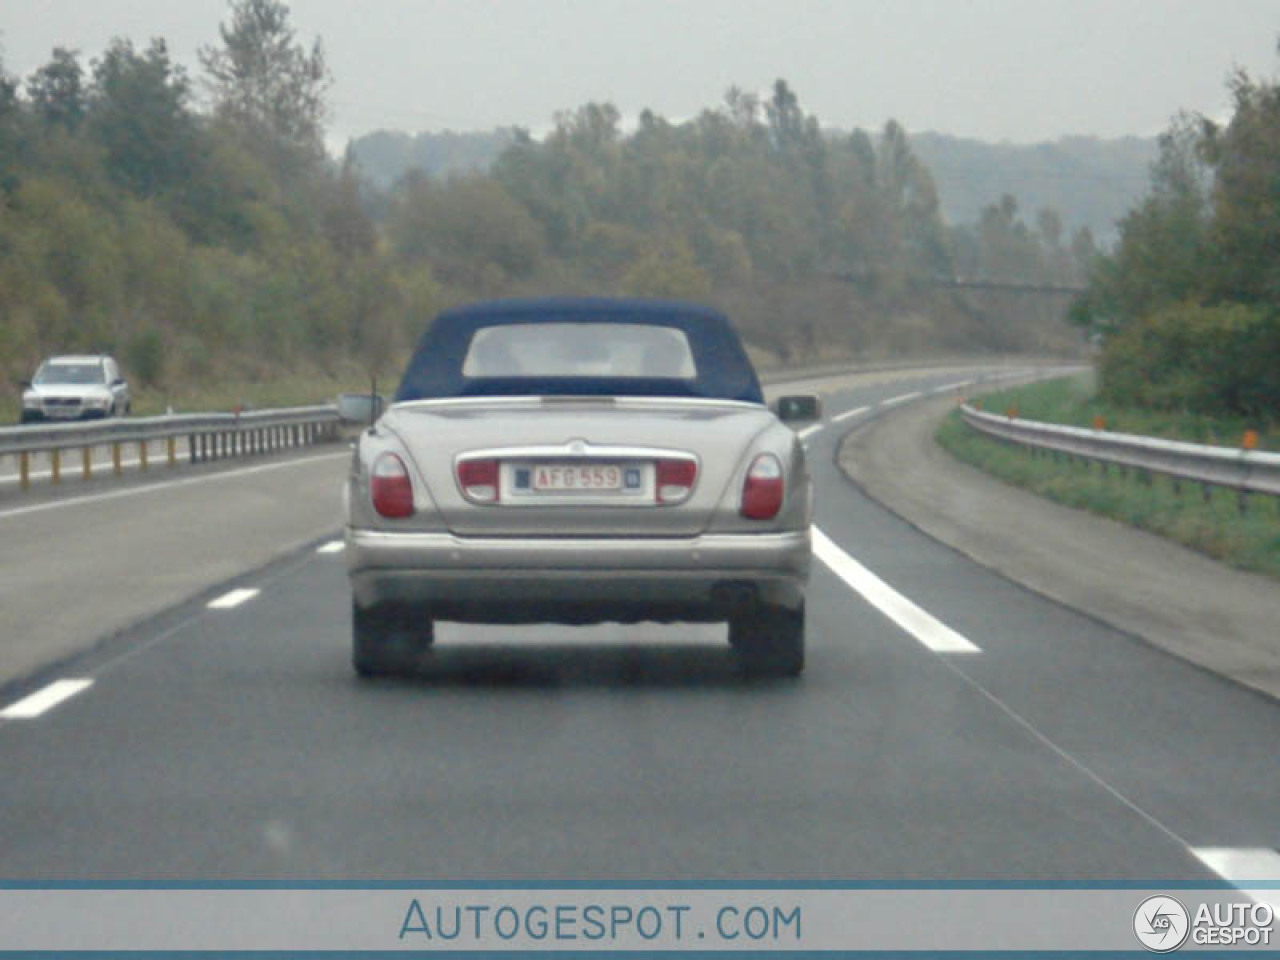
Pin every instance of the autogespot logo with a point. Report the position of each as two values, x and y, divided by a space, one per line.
1161 924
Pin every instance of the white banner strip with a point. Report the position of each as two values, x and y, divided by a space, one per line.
228 920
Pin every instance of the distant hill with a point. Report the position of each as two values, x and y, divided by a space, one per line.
1088 181
385 155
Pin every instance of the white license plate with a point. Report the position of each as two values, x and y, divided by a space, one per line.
580 481
583 477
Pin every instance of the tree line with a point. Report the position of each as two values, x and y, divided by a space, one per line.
1187 307
1087 181
196 226
196 243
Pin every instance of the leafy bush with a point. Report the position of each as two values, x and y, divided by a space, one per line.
668 271
1206 234
145 356
1216 360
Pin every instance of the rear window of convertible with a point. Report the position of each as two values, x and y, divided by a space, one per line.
603 349
580 347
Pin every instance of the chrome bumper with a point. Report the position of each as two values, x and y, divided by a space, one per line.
697 575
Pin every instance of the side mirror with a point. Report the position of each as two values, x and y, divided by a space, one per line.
804 408
24 384
118 382
361 407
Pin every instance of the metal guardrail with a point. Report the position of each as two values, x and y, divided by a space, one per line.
209 436
216 436
1247 471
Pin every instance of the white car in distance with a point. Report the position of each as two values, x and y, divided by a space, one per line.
75 388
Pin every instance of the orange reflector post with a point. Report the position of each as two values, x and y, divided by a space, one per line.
1099 423
1012 413
1250 440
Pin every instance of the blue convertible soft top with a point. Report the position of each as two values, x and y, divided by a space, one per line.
723 369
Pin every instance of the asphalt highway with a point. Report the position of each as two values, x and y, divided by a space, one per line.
950 725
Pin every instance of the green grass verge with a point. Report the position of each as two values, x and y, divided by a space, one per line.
290 391
1072 400
1249 540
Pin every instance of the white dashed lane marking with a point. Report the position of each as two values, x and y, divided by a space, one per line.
233 599
809 431
901 399
333 546
849 414
45 699
921 624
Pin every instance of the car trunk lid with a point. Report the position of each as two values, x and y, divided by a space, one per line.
576 466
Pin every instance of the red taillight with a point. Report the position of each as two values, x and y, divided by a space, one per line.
390 488
674 479
763 490
479 480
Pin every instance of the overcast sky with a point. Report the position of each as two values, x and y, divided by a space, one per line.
1021 70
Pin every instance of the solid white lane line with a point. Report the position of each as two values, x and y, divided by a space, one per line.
952 386
849 413
333 546
233 599
153 487
1243 866
1241 863
902 399
1239 866
926 628
809 431
45 699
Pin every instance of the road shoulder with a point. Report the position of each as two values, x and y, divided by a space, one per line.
1219 618
79 570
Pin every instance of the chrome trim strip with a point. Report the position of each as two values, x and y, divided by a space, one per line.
537 400
576 450
428 540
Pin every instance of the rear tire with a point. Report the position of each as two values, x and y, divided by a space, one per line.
770 640
387 639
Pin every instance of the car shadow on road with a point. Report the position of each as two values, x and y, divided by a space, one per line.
577 665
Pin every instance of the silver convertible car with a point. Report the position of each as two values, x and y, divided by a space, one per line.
580 461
